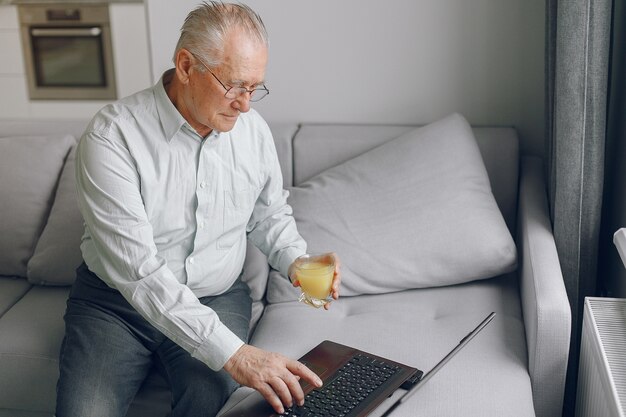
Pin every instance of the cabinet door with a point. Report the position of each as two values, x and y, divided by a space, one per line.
131 54
11 62
8 17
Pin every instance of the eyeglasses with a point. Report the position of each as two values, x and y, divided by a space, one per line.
256 94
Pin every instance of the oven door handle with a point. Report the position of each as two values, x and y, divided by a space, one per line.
65 32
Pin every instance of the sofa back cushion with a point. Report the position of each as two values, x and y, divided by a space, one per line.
417 211
57 254
318 147
42 127
283 134
30 167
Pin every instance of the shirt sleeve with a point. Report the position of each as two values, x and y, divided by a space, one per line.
272 227
111 204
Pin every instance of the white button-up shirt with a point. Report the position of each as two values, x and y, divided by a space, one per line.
167 213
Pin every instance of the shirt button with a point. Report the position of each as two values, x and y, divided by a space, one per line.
191 261
202 184
201 225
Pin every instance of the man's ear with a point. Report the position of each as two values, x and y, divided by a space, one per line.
184 63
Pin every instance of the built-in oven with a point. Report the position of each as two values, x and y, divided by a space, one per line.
67 51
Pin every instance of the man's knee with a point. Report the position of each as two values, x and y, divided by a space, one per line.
88 403
100 368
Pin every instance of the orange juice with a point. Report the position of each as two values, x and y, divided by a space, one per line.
315 278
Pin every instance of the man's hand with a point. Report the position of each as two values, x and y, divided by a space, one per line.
334 290
275 376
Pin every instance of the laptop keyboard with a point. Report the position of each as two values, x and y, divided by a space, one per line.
352 388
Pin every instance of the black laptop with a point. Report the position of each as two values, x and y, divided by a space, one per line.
355 382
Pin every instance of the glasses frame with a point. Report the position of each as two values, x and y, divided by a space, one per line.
241 90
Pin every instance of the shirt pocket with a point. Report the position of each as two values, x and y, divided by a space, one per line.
238 207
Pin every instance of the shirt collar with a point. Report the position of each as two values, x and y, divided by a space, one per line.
170 117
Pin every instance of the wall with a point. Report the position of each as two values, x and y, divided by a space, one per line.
397 61
130 55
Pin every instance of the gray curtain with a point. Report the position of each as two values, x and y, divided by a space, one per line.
611 271
577 66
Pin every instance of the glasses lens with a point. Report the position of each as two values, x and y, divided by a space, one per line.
255 95
259 94
235 92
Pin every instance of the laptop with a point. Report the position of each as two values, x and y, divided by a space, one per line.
355 382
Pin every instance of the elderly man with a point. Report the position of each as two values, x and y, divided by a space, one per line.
171 181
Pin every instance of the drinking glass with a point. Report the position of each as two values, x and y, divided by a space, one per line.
315 273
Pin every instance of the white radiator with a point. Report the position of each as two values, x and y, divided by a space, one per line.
602 366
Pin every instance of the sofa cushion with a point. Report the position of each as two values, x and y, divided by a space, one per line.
42 127
255 273
283 134
499 148
32 331
57 254
33 165
419 206
11 290
337 143
418 327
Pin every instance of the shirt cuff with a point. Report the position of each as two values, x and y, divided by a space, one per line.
218 348
287 258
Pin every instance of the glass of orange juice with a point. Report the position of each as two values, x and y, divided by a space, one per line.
315 273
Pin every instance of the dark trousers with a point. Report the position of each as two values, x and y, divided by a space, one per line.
109 349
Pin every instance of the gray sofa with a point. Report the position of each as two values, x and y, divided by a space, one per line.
516 367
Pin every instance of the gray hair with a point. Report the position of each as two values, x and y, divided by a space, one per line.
205 28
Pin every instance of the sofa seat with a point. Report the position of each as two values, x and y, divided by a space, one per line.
11 290
31 354
431 321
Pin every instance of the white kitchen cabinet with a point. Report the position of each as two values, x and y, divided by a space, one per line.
131 58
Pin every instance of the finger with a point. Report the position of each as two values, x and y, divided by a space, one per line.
337 277
295 390
292 383
282 390
299 369
270 396
335 286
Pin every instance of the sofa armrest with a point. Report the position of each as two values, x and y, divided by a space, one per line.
546 309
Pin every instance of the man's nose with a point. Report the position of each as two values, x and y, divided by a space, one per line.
243 102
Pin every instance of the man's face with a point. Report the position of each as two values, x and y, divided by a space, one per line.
205 106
